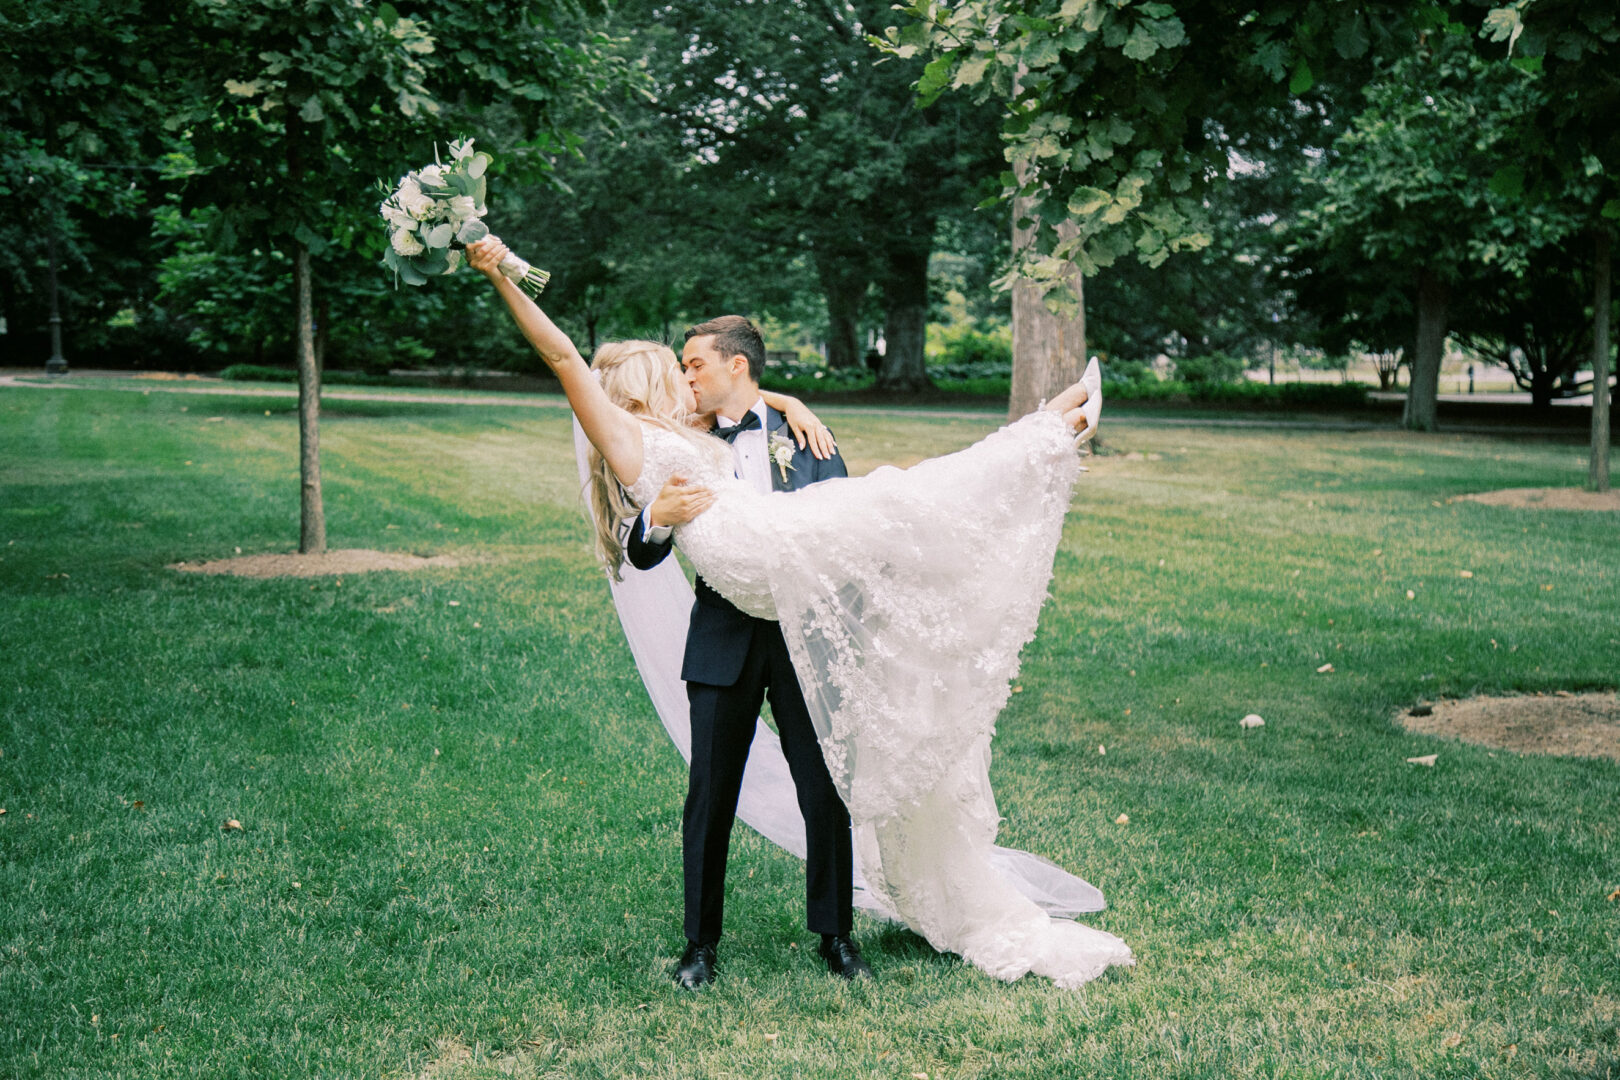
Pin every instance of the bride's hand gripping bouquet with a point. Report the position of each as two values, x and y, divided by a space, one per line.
435 212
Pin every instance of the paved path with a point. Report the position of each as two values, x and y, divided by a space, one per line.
87 381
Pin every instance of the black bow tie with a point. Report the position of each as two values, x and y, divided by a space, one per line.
747 423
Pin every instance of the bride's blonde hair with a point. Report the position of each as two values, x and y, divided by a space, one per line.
641 377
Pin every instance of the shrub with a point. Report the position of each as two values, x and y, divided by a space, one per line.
1128 371
1215 367
258 373
1329 396
263 373
1323 395
983 369
978 350
801 375
983 386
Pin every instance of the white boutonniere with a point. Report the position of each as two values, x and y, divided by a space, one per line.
782 449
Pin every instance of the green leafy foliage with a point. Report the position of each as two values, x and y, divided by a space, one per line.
1402 183
81 155
1121 118
229 308
772 167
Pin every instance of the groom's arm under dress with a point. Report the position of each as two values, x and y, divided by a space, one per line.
650 533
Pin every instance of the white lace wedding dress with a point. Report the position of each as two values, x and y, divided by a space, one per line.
905 597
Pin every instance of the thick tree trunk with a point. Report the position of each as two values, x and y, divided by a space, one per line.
1049 351
1541 389
844 285
844 330
1434 296
905 324
1597 472
312 516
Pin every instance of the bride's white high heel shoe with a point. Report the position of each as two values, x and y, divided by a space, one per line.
1091 409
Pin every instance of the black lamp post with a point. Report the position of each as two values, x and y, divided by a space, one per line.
57 364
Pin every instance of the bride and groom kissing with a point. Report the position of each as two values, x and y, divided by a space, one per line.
735 661
881 616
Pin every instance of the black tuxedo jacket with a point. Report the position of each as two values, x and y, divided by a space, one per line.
717 640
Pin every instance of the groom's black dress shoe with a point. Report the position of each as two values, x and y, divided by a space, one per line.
696 966
843 957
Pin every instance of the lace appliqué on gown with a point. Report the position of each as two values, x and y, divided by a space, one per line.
905 597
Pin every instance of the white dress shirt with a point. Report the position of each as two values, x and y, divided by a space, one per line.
750 451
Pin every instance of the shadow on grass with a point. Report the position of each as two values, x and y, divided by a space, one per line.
900 944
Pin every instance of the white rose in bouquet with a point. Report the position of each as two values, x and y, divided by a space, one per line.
463 207
431 175
419 206
405 243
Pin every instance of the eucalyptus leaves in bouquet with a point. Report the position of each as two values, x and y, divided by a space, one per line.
436 211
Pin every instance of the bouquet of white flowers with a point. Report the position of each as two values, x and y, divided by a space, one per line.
438 210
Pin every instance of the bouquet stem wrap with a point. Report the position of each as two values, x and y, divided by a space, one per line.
531 280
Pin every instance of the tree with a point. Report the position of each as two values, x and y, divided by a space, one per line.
1534 324
799 152
1568 149
1406 187
80 151
232 307
1228 297
1121 118
294 110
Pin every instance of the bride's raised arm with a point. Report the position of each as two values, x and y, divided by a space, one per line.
615 433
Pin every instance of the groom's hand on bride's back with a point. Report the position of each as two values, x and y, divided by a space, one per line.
679 502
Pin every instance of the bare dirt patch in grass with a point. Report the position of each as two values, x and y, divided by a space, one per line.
1563 724
347 561
1548 499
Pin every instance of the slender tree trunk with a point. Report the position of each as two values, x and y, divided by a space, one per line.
323 316
1049 351
1385 364
1433 298
1597 473
312 516
905 324
843 283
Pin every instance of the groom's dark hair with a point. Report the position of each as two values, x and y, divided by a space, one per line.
733 336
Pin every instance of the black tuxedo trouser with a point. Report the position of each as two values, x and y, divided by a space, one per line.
723 724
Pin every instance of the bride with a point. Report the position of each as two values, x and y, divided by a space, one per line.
904 597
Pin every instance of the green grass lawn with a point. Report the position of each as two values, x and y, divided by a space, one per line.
460 854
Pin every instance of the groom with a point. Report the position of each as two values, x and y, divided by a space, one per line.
734 661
